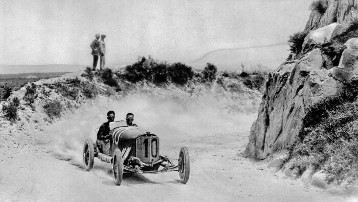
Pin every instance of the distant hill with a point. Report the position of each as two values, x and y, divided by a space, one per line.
17 69
231 59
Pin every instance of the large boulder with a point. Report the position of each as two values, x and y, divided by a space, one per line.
347 70
289 93
323 34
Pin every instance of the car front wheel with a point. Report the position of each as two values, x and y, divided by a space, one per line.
184 165
117 166
88 154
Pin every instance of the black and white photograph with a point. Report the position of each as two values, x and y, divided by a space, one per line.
179 100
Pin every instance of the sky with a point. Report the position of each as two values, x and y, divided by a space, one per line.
40 32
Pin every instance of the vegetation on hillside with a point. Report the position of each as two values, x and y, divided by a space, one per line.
10 110
53 109
328 140
68 93
296 41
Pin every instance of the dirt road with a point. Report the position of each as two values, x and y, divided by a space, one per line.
51 169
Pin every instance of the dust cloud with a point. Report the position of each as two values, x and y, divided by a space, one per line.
169 114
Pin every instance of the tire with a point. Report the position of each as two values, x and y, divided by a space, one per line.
117 166
184 165
88 154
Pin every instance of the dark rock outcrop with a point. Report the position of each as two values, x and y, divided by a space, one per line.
297 85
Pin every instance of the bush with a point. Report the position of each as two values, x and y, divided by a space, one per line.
320 6
180 73
7 92
258 81
248 83
89 90
244 74
107 77
296 42
209 72
66 90
136 72
53 109
88 73
30 94
76 82
160 73
10 110
333 51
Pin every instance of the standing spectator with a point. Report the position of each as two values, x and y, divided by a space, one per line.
95 46
102 51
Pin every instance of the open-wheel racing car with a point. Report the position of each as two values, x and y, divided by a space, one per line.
134 150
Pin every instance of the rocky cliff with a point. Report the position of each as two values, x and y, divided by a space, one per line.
340 11
314 75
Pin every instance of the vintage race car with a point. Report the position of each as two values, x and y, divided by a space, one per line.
134 150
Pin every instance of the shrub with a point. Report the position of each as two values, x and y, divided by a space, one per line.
258 81
333 51
88 73
10 110
89 90
107 77
244 74
320 6
66 90
180 73
225 74
296 42
7 92
209 72
136 72
30 94
76 82
53 109
248 83
160 73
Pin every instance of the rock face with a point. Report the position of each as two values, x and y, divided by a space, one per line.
297 85
341 11
323 34
347 71
290 91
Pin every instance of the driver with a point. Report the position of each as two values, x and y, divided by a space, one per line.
104 139
129 119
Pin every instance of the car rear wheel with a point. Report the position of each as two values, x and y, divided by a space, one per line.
117 166
184 165
88 154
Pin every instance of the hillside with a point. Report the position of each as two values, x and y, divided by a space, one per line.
307 117
44 131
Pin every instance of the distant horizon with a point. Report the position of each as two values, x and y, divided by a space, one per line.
41 32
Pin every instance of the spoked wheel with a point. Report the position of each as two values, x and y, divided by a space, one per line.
117 166
184 165
88 154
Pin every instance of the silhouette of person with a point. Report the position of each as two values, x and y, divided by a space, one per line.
102 52
95 46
